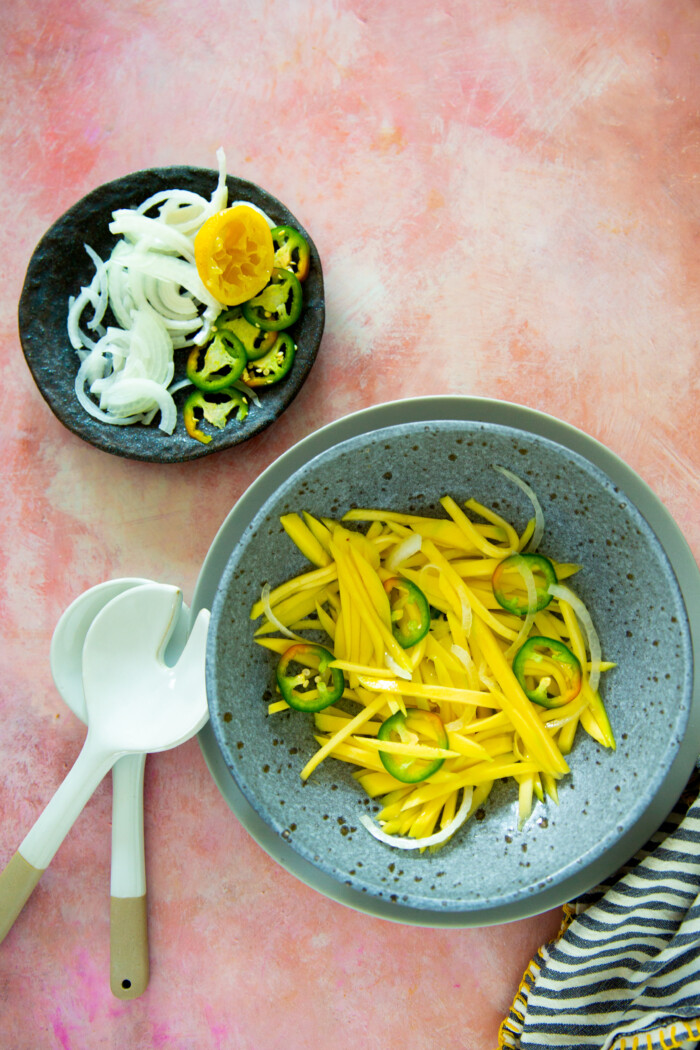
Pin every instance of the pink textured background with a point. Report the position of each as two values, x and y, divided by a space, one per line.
505 199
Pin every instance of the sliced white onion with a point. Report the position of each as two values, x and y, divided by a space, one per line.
76 305
464 657
558 590
100 280
220 195
129 371
168 268
90 406
247 390
556 723
405 550
459 724
186 209
180 385
267 608
151 347
150 233
121 298
521 636
531 588
186 217
208 318
538 531
96 295
170 302
152 287
134 396
175 199
400 672
429 840
486 680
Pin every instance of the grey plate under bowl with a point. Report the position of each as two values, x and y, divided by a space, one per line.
60 266
638 579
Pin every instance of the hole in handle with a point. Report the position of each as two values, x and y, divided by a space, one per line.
126 983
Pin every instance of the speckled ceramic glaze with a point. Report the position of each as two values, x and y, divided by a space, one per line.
627 581
59 268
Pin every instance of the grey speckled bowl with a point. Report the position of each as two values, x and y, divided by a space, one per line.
639 581
60 266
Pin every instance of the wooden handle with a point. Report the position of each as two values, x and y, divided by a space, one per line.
128 946
16 884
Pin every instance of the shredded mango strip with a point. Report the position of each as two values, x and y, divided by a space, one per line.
472 533
319 577
504 530
342 732
431 692
305 539
460 669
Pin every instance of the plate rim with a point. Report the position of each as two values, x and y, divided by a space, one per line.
464 409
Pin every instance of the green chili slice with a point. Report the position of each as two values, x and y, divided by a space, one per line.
509 583
410 611
548 671
416 727
217 365
278 305
291 250
214 406
255 341
274 365
305 678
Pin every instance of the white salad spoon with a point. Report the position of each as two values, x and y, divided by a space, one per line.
135 704
129 956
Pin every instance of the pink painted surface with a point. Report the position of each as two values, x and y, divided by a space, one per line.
505 199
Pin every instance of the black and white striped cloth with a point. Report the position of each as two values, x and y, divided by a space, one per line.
625 972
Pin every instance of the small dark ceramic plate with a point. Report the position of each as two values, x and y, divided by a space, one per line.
60 266
638 579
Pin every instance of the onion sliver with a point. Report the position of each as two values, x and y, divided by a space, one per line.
171 304
248 391
558 590
121 299
405 550
151 347
539 514
95 294
150 233
130 371
394 667
180 204
101 301
557 723
180 385
531 588
429 840
152 287
265 599
463 655
168 268
89 405
132 396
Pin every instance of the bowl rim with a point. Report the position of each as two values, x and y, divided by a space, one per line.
134 442
474 410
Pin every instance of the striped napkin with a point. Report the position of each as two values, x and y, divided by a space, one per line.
624 973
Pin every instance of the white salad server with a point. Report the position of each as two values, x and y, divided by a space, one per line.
129 955
135 704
